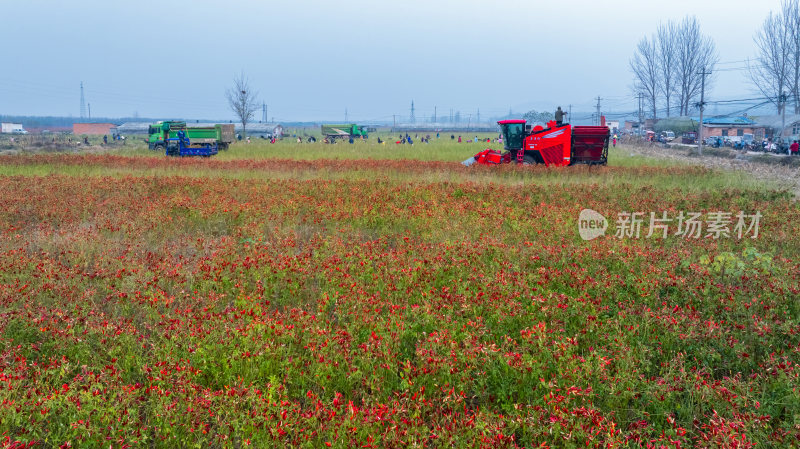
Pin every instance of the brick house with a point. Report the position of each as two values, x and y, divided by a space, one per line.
730 127
94 129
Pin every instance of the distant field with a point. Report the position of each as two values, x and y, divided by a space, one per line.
310 295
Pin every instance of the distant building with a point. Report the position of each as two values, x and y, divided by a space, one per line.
133 128
94 129
773 124
631 127
731 127
265 130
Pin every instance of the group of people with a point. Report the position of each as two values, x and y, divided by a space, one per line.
771 146
498 139
406 139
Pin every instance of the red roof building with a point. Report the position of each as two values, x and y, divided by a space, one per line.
93 129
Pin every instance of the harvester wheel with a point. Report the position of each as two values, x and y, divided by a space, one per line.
528 160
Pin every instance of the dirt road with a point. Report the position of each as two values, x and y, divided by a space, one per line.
784 172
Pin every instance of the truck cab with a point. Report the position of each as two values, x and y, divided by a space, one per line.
359 131
159 133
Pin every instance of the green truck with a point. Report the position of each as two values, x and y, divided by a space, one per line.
344 132
220 135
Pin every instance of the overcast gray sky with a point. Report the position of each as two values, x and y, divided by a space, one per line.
311 59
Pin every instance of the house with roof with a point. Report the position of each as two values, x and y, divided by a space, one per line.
134 128
731 126
93 129
264 130
780 126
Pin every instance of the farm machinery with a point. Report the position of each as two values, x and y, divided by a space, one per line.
556 145
343 132
178 139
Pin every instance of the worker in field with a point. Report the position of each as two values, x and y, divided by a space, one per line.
795 148
560 116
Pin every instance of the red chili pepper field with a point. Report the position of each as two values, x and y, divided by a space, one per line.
147 301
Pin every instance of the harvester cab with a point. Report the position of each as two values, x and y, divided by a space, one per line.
513 132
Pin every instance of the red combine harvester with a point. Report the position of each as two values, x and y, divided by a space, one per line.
553 146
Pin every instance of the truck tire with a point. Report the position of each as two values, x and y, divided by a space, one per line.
528 160
158 147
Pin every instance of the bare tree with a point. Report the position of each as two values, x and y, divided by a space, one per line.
696 53
242 100
647 76
666 38
771 71
791 13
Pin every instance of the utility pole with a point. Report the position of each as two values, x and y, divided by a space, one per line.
394 121
83 104
478 119
434 114
345 115
783 114
641 119
469 120
598 110
569 115
702 107
90 111
412 119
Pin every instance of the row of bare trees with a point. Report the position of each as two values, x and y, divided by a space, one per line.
776 70
668 67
